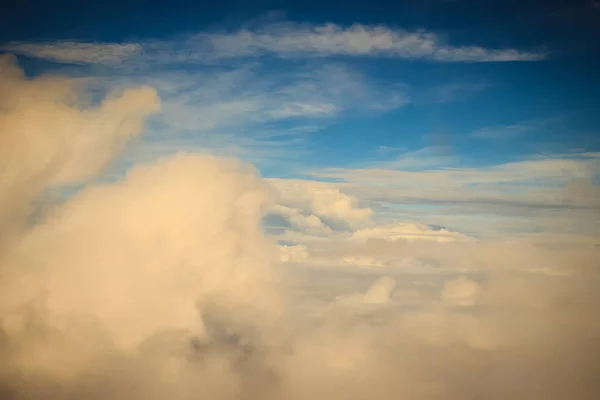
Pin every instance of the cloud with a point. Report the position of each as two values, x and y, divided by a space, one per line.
283 39
407 231
51 135
76 52
324 201
249 111
380 291
535 254
293 253
303 109
378 294
116 286
362 261
460 292
288 39
514 130
556 192
310 224
447 92
162 284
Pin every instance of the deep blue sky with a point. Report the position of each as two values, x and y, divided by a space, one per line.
572 24
566 85
472 114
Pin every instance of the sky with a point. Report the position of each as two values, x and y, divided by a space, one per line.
292 200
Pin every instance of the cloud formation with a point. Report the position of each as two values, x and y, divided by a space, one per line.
50 134
76 52
460 292
324 201
407 231
162 284
125 274
556 192
284 39
291 39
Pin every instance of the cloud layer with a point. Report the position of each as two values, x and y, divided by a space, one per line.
162 284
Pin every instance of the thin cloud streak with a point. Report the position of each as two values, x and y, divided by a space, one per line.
75 52
281 39
515 130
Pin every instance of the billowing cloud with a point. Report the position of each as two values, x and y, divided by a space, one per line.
293 253
130 273
380 291
460 292
323 200
51 135
311 224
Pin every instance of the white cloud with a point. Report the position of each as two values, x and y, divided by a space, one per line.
107 254
303 109
513 130
407 231
556 192
460 292
311 224
76 52
249 111
50 135
291 39
323 200
294 253
162 284
362 261
283 39
380 292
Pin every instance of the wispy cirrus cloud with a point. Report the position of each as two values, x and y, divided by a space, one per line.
283 39
75 52
253 112
552 194
289 39
245 109
517 129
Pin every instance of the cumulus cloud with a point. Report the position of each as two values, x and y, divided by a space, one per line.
553 193
293 253
162 284
325 201
310 224
50 134
380 291
460 292
131 273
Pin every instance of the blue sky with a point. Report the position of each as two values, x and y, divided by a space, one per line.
320 92
300 200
